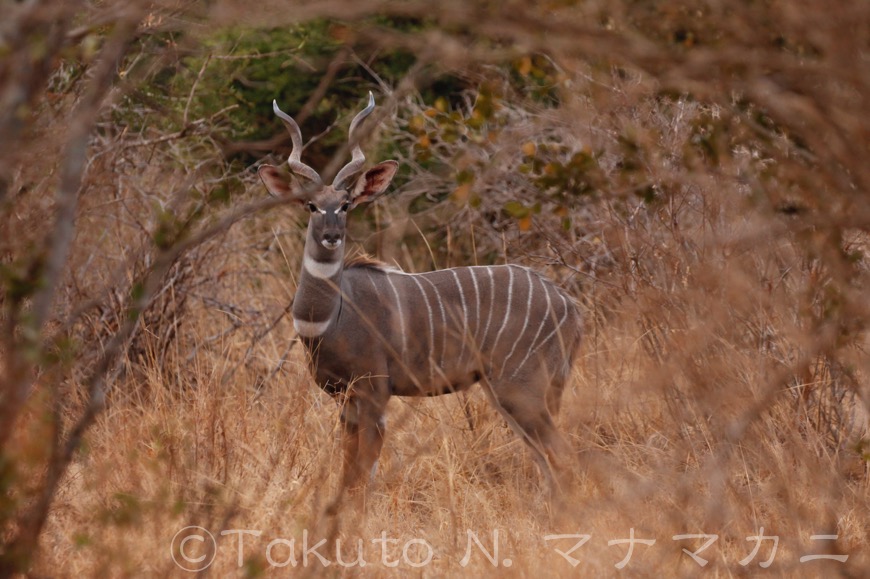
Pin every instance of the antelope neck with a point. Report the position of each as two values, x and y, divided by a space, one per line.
318 297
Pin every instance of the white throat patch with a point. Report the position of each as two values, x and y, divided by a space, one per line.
321 269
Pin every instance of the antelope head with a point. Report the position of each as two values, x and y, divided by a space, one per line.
327 204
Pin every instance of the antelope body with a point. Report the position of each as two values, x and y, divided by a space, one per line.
373 331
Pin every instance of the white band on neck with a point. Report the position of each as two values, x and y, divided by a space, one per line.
310 329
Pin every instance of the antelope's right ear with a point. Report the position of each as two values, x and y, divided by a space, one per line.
280 183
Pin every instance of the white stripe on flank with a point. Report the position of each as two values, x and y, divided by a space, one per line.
431 326
464 326
321 269
308 329
507 311
476 309
491 305
375 287
544 319
522 332
401 315
558 326
443 322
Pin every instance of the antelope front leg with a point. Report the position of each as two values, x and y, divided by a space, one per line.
372 429
363 429
350 445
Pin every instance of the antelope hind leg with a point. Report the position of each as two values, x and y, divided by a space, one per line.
525 408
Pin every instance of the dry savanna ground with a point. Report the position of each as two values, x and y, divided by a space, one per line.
679 414
158 410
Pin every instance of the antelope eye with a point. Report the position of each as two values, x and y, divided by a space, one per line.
312 207
344 207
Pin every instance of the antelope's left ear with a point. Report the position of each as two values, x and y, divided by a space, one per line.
374 182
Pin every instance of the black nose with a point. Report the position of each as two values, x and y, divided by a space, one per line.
331 237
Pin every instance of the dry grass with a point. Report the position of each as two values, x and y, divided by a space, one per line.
216 455
722 387
683 414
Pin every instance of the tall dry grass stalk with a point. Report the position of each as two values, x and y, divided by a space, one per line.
714 229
